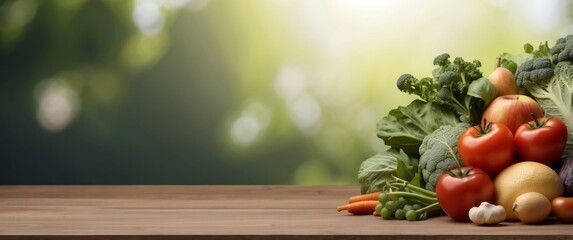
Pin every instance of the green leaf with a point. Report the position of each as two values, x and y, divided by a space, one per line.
483 90
511 62
406 166
542 51
377 170
528 48
417 179
405 127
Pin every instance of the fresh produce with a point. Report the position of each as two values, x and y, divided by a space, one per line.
541 140
459 85
487 214
533 73
359 208
503 80
488 146
461 189
402 200
512 110
531 207
565 170
405 127
548 76
364 197
555 98
377 170
439 153
432 135
525 177
562 208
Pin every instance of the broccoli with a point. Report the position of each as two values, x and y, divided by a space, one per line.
563 50
425 87
534 72
545 61
442 60
448 86
439 153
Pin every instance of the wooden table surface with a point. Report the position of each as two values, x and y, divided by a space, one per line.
213 212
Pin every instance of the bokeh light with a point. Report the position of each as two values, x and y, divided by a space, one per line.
228 92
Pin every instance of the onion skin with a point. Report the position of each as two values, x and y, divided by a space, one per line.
532 208
564 169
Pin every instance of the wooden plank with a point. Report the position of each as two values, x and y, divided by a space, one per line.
234 212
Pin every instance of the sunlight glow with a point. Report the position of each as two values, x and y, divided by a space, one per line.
58 105
147 16
306 114
290 82
249 126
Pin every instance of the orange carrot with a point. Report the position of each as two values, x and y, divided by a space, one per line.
359 208
364 197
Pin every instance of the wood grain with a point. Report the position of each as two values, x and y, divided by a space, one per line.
221 212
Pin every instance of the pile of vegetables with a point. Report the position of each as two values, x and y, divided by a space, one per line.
472 141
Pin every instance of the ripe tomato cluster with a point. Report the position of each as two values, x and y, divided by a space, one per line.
489 148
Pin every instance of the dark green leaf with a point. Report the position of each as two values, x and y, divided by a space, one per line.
482 89
375 171
528 48
405 127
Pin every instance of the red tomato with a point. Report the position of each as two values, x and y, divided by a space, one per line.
488 147
457 194
562 208
542 140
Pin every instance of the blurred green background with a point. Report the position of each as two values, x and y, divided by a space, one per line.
227 92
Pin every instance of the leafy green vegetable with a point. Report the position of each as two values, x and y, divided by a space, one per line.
439 153
482 88
405 127
563 50
511 61
533 73
377 170
556 99
449 86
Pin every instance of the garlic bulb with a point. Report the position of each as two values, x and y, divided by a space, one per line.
487 214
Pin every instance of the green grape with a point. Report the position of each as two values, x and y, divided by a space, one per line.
411 215
407 208
378 208
391 205
386 214
402 202
383 198
399 214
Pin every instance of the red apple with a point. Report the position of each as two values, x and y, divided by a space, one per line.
503 80
512 110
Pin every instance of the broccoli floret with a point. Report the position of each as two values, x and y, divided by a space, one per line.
563 50
445 93
534 72
439 153
425 87
442 60
448 77
405 83
448 85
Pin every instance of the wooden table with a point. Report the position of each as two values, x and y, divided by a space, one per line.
213 212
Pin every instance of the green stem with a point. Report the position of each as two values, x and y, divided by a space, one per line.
430 208
414 195
411 187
